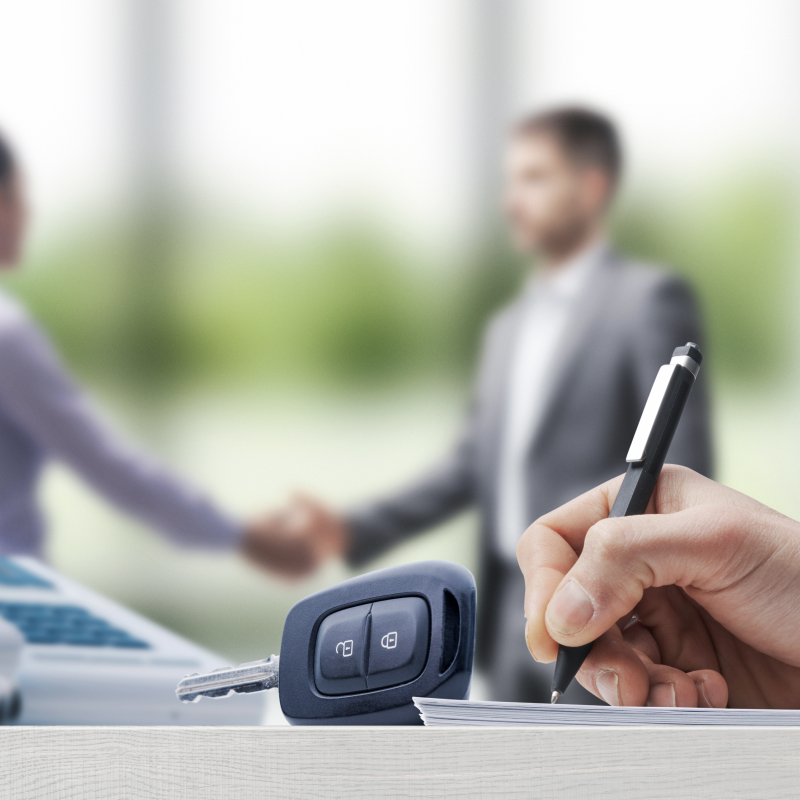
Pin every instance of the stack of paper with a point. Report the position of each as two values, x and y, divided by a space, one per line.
466 712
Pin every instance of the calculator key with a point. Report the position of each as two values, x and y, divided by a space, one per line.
42 623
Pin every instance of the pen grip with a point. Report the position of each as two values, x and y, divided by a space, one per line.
635 492
569 661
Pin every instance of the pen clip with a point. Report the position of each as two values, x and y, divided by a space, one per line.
638 448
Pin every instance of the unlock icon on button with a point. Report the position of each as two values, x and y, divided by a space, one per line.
347 648
389 641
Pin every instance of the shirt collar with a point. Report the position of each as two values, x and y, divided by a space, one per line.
570 278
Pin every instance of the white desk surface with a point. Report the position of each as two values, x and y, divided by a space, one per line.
310 763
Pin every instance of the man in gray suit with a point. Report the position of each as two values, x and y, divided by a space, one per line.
563 376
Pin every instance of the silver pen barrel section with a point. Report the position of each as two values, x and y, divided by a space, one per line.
689 358
255 676
638 446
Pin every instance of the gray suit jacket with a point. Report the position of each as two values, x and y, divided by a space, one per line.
627 322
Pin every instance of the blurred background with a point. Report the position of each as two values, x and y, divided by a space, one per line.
267 236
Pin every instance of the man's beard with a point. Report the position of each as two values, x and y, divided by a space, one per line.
566 240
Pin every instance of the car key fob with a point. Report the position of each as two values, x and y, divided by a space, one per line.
359 652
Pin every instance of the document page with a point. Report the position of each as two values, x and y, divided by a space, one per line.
465 712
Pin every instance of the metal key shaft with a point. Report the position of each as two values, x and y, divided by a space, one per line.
254 676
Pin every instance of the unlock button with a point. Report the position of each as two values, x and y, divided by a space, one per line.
341 654
398 646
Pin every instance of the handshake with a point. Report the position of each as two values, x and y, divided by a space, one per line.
296 540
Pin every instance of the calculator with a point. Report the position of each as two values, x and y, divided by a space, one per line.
87 660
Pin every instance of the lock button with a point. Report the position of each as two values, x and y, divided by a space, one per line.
340 655
398 643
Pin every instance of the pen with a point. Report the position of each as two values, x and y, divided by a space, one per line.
646 457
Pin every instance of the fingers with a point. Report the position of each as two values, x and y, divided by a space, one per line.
622 674
327 528
545 560
286 558
622 557
573 519
307 508
641 639
678 488
675 624
296 540
585 574
548 550
275 544
614 672
672 688
669 687
712 689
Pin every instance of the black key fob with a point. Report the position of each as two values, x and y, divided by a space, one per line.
355 654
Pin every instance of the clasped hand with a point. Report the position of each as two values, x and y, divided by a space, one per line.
293 542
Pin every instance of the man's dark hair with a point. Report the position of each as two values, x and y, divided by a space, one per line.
587 137
7 162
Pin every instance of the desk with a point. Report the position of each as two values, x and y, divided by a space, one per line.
309 763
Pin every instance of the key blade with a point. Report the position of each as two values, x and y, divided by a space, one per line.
254 676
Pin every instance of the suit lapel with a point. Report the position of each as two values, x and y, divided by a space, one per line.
588 307
498 365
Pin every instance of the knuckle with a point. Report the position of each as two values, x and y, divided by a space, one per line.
719 531
672 487
618 574
676 472
522 548
729 548
606 540
526 546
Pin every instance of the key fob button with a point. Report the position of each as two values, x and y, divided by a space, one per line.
399 639
340 654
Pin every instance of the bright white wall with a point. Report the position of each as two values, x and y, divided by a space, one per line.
289 112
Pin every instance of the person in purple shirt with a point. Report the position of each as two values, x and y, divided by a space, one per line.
45 415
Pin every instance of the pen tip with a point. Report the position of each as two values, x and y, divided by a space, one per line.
554 697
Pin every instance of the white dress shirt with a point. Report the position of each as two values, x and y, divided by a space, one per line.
44 415
549 301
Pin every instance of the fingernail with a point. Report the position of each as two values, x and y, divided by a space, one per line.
570 609
607 683
528 642
662 695
703 700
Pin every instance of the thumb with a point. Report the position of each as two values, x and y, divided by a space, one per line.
623 556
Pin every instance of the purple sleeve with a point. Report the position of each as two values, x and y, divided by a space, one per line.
39 394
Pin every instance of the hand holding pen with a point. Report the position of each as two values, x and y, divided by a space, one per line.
712 576
646 456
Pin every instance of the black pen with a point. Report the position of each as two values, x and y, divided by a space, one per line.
646 457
